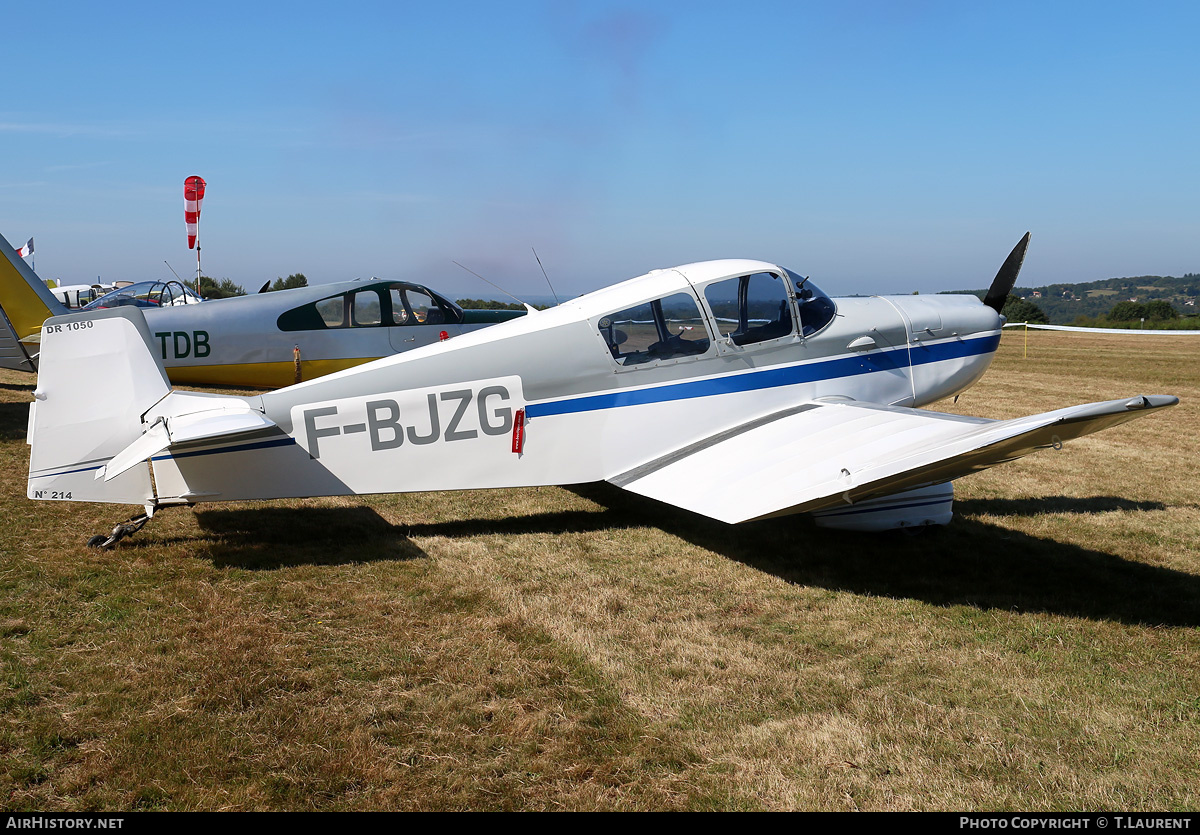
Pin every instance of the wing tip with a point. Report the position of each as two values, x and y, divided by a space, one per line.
1152 401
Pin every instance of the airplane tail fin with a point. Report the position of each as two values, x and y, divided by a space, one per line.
25 302
99 374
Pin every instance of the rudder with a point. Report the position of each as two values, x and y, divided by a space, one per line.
98 376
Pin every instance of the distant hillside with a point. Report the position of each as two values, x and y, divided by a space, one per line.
1064 303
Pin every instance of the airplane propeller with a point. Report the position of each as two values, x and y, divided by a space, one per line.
1003 283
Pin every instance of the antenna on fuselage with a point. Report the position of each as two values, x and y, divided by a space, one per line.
530 308
801 293
539 260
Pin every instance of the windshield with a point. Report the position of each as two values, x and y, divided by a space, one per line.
146 294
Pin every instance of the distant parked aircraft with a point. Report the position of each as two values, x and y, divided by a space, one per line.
256 341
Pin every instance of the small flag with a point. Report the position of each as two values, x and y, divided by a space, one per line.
27 250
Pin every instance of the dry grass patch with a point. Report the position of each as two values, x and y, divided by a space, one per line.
585 648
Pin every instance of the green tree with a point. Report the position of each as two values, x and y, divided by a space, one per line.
290 283
1160 311
488 304
211 289
1127 312
1017 309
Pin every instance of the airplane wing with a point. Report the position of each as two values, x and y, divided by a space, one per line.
830 453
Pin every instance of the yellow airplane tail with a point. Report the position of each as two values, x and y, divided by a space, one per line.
25 303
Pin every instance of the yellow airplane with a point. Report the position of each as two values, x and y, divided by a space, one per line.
266 340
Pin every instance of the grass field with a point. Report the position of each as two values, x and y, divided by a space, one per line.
587 649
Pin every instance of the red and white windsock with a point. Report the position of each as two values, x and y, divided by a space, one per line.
193 196
26 251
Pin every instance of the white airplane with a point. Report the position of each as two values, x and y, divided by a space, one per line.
735 389
75 296
265 340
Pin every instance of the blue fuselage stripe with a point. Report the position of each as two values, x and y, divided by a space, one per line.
288 441
66 472
848 366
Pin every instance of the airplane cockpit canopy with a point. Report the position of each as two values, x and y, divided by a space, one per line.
146 294
380 304
816 309
747 309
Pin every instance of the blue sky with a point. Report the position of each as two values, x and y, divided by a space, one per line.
878 146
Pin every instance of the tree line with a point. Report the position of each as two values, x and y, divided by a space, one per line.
1094 301
492 304
226 288
1154 314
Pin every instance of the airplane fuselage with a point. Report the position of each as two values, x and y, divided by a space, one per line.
549 399
258 340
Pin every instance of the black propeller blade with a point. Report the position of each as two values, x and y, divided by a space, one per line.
1003 283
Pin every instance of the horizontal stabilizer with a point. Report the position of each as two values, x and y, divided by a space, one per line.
227 422
820 455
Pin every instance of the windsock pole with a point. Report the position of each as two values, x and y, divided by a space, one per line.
193 199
